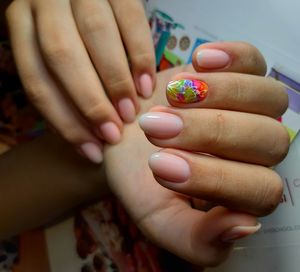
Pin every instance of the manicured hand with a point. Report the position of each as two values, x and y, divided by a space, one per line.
71 57
214 165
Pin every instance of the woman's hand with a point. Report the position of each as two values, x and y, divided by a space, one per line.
215 166
71 57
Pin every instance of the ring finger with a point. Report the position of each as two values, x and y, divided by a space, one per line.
233 135
240 186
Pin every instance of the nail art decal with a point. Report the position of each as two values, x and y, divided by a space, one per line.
187 90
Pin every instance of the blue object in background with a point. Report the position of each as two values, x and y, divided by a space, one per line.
196 44
159 50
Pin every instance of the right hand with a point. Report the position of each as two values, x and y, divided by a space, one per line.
71 57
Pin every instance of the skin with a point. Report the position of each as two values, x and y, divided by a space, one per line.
171 219
52 183
173 215
56 74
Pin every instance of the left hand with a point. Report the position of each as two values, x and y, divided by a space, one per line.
168 218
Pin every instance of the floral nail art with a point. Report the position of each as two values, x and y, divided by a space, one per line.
187 90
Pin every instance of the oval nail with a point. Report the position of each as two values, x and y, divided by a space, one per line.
187 91
127 110
239 232
169 167
161 124
92 151
110 132
212 58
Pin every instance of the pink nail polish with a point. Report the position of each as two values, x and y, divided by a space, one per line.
110 132
169 167
212 58
239 232
187 91
127 110
161 124
92 152
145 85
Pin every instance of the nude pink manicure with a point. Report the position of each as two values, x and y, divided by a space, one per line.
110 132
161 124
92 151
145 85
127 110
169 167
239 232
212 58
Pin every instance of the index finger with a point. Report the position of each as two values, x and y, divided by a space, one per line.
240 57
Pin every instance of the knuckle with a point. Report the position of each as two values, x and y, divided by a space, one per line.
93 24
36 97
119 85
58 52
218 185
237 86
98 112
89 20
33 88
214 139
70 133
142 60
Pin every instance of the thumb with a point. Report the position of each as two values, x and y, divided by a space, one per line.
202 238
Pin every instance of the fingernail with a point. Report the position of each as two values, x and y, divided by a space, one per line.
187 91
239 232
146 85
169 167
127 110
212 58
92 152
161 124
110 132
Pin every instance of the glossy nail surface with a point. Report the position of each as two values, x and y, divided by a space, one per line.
169 167
127 110
92 152
110 132
161 124
239 232
212 58
146 85
187 91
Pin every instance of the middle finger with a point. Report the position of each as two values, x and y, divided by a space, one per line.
228 91
234 135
